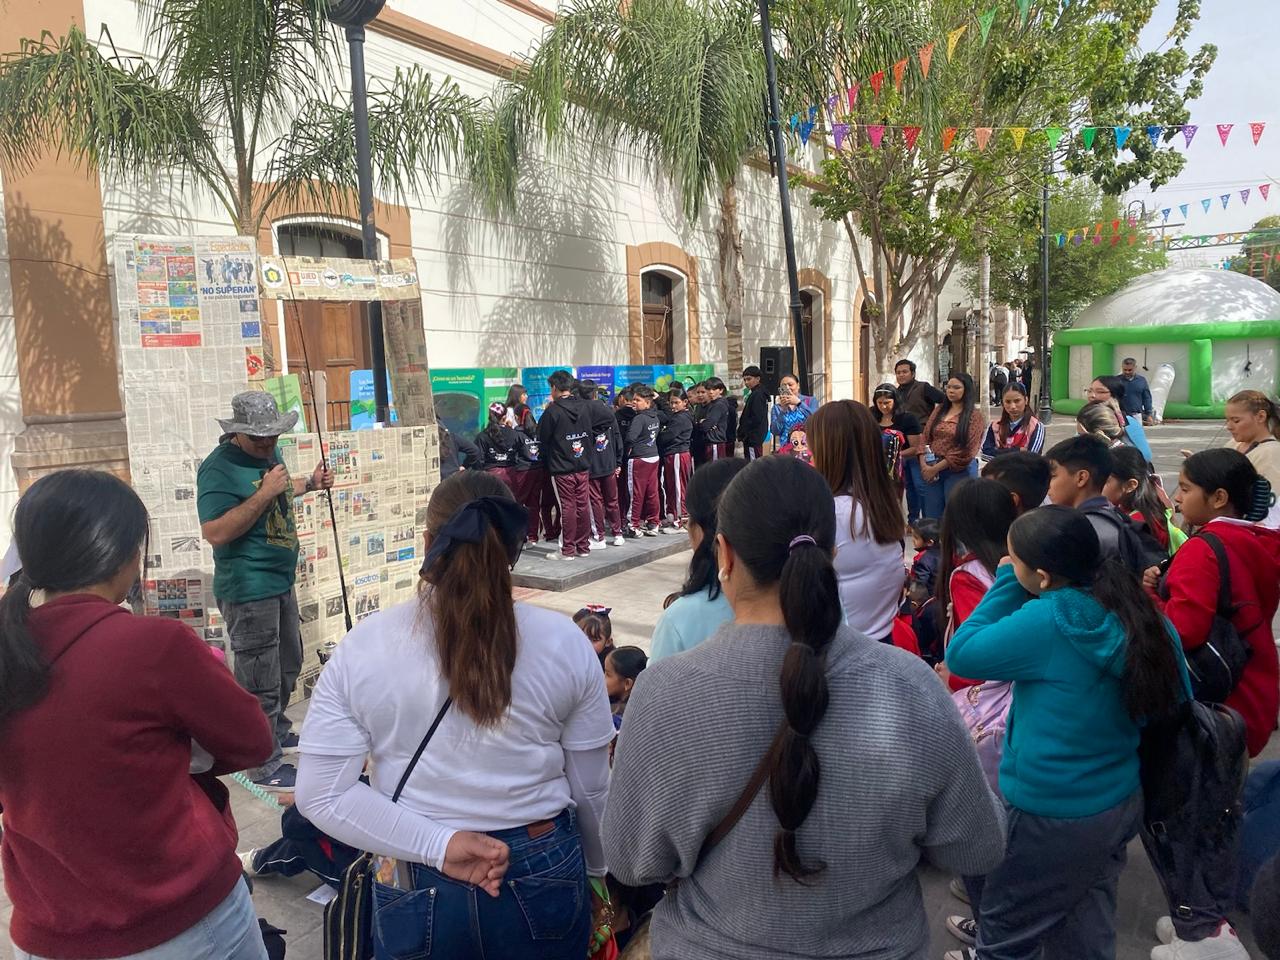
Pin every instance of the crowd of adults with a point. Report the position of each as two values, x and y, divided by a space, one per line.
822 710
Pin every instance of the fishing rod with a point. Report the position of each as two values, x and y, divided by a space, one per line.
324 455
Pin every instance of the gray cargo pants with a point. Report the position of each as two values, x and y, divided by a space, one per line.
266 647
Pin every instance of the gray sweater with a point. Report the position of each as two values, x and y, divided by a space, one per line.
899 781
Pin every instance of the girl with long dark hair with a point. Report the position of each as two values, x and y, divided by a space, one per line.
891 417
1131 489
847 452
519 415
800 720
1017 429
99 712
975 528
697 610
1090 659
499 817
952 438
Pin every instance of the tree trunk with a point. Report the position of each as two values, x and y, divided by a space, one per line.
729 237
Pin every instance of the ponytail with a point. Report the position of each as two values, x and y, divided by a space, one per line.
1152 680
791 545
467 594
24 673
810 599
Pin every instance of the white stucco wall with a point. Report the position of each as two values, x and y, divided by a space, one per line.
10 392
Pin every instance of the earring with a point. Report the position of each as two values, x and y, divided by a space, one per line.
723 576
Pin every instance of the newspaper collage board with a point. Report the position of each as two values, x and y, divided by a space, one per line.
190 319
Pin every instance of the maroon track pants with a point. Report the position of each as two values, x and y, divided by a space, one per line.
606 517
642 483
573 492
527 487
677 468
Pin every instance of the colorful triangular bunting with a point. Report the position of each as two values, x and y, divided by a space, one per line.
1122 136
948 137
831 104
1115 226
839 131
1244 196
910 135
1088 135
806 128
1153 133
1225 198
899 71
875 132
1256 129
982 135
984 23
877 81
1265 190
813 114
1164 214
925 54
1062 238
1019 134
1189 132
1053 135
852 94
1184 207
953 38
1206 203
1224 131
795 122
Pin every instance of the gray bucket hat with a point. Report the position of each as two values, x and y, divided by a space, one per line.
255 413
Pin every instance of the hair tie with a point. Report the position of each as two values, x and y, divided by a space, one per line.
472 521
1262 499
598 609
800 540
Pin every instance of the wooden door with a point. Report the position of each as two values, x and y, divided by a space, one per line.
337 342
806 330
657 306
864 354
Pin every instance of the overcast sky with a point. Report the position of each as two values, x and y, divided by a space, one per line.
1241 88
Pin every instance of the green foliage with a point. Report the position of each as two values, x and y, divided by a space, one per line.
924 210
234 92
1257 257
1078 274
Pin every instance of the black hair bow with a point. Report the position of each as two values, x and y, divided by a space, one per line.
473 520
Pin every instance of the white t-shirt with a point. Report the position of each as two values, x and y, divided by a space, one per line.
382 688
870 574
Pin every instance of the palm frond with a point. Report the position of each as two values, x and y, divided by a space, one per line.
418 128
109 112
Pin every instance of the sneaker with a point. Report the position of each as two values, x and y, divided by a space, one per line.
290 743
650 531
1164 930
1224 945
964 929
599 544
631 534
282 781
618 540
958 890
557 555
246 862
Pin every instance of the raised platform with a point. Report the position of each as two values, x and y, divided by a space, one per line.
536 571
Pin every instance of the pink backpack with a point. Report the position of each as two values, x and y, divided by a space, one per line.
984 707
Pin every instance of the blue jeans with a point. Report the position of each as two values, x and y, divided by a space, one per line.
1054 895
542 913
230 932
937 494
913 480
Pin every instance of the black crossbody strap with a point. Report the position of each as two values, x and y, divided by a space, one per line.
448 701
1224 575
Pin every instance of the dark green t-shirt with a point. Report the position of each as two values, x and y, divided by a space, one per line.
264 560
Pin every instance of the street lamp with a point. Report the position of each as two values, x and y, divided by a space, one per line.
352 16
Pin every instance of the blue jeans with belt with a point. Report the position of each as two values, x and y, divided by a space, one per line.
542 913
937 494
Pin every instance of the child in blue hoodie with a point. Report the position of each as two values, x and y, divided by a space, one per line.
1089 657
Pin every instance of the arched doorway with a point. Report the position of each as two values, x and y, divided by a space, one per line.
865 385
662 305
657 306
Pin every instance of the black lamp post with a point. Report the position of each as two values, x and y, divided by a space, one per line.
352 16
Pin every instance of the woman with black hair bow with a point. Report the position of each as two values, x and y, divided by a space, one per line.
497 827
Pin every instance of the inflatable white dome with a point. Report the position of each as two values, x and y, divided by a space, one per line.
1206 334
1179 296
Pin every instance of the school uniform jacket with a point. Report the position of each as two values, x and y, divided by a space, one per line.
715 421
565 433
675 434
754 422
606 448
499 451
642 435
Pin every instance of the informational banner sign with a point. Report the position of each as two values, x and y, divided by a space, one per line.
603 377
497 383
535 381
288 393
363 407
690 373
459 398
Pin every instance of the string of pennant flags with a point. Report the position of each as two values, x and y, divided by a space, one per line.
1263 190
876 133
1096 233
841 103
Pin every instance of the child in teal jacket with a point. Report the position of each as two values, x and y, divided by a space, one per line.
1089 656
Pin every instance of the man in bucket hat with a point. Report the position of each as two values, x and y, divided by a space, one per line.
245 502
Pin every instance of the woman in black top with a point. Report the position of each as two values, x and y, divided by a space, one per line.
890 417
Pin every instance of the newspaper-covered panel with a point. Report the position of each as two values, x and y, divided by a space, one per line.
175 391
329 278
406 345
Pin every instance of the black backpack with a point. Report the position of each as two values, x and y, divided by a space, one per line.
1217 664
1129 545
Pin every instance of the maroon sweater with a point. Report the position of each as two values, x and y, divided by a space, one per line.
110 846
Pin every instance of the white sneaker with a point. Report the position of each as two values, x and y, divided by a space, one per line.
1164 930
619 541
557 555
1224 945
246 862
599 544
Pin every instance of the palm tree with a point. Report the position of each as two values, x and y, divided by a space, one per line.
240 98
680 82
